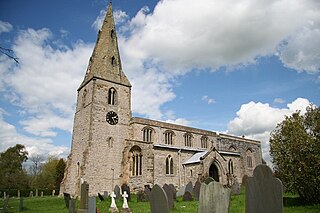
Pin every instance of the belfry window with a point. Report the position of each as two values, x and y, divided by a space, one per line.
187 139
147 134
204 142
135 157
112 95
168 137
169 165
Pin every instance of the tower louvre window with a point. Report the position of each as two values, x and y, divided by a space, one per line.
204 142
168 137
187 139
112 95
147 134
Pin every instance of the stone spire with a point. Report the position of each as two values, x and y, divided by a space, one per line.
105 61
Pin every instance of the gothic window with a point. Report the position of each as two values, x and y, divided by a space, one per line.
147 134
168 137
204 142
113 61
169 165
110 142
112 96
135 157
249 158
187 139
112 34
230 167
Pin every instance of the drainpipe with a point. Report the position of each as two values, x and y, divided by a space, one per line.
179 156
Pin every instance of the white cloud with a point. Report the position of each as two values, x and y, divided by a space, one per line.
118 15
5 27
208 100
179 121
279 100
257 120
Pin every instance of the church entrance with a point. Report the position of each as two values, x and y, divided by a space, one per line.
214 172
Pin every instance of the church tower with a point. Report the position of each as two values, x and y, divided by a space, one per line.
102 118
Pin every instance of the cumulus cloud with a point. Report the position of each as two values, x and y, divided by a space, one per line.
208 100
257 120
279 100
5 27
118 15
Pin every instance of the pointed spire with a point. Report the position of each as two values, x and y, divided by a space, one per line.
105 61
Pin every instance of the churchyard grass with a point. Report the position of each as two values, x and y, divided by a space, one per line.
56 205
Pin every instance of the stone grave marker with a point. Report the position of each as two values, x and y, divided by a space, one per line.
53 193
125 207
189 187
100 197
147 190
158 200
208 180
19 194
173 190
126 188
92 205
196 189
21 204
4 195
244 180
66 197
72 205
117 192
169 194
235 188
41 193
84 194
187 196
5 204
37 194
214 198
31 194
105 194
113 206
181 191
264 191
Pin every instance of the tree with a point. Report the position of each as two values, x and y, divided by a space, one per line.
60 172
295 152
12 174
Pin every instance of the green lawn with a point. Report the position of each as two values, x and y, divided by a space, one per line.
56 205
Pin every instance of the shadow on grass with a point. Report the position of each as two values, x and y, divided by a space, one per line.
293 201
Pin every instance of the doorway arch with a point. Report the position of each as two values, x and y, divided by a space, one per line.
214 172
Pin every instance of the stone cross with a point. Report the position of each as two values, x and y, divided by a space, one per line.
113 202
125 203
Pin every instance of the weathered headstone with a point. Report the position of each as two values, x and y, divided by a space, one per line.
169 194
37 194
31 194
125 207
158 200
147 191
66 197
5 204
100 197
84 194
105 194
187 196
214 197
235 188
4 195
72 205
41 193
126 188
18 194
173 190
53 193
244 180
92 205
196 189
113 206
117 192
208 180
264 191
189 187
21 204
181 191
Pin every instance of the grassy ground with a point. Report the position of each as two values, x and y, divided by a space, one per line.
56 205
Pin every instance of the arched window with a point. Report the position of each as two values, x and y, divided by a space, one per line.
232 148
204 142
230 167
187 139
147 134
168 137
112 34
249 158
113 61
112 96
110 142
135 157
169 165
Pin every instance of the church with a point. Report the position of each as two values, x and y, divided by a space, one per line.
110 147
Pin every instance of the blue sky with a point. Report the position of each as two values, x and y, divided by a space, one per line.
232 67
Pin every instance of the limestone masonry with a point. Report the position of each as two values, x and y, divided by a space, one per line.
110 147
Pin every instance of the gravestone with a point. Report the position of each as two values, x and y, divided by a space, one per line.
31 194
264 191
125 207
189 187
142 196
173 190
84 194
105 194
126 188
196 189
5 204
158 200
92 205
187 196
21 204
244 180
113 206
214 197
169 194
18 193
37 194
53 193
147 190
72 205
208 180
66 197
100 197
181 191
4 195
235 188
117 192
41 193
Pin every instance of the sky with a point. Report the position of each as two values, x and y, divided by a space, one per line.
235 67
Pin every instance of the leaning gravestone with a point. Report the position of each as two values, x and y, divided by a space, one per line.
214 198
196 190
92 205
100 197
263 191
174 191
181 191
189 187
66 197
84 193
235 188
117 192
169 194
187 196
158 200
126 188
244 180
72 205
147 191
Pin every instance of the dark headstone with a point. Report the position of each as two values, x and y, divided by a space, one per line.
100 197
187 196
92 205
158 200
244 180
117 192
84 194
173 190
189 187
208 180
126 188
66 197
196 190
21 204
142 196
72 205
147 190
105 194
169 194
263 191
235 188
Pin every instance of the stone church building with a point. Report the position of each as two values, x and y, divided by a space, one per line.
110 147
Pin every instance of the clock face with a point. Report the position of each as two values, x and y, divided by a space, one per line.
112 118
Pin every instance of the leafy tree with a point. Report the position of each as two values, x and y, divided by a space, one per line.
12 174
60 172
295 151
